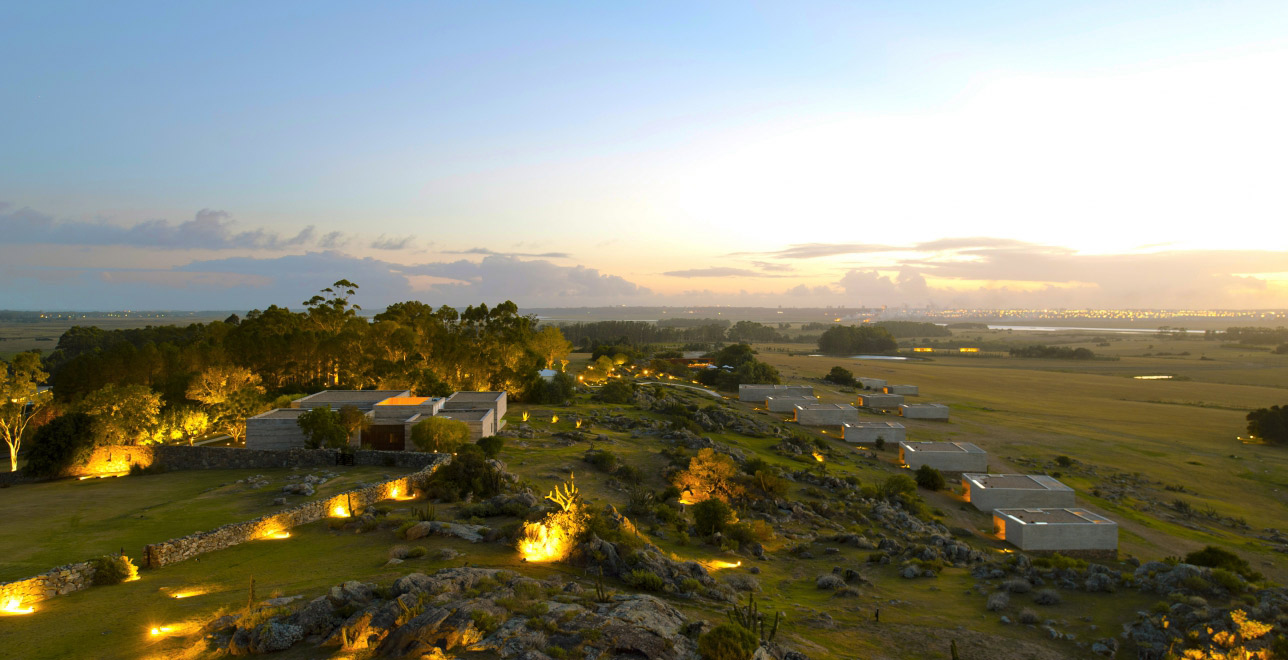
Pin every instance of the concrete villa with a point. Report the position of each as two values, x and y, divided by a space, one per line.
392 414
905 390
871 383
1015 491
1057 529
866 433
937 411
880 401
758 393
785 403
944 456
826 414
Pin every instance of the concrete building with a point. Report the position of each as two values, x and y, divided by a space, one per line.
905 390
871 383
785 403
826 414
482 422
494 401
1015 491
275 429
1057 529
880 401
758 393
924 411
944 456
363 400
866 433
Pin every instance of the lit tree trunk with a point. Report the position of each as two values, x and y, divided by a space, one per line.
13 457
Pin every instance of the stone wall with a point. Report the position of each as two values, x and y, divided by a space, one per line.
56 582
119 459
180 549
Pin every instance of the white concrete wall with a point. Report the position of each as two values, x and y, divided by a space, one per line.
906 390
880 401
988 499
924 411
945 461
273 433
1059 536
829 416
861 434
757 393
872 383
783 403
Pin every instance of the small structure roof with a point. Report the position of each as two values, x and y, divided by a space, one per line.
1054 516
1015 481
404 401
353 396
826 406
875 425
466 415
475 397
282 413
942 446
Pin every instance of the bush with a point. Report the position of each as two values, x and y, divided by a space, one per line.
468 472
770 483
1228 580
1017 586
749 532
1047 597
439 434
59 444
840 376
930 478
1214 557
829 581
645 579
690 585
998 601
629 474
899 484
1063 461
602 459
615 391
1028 617
711 516
113 569
727 642
491 445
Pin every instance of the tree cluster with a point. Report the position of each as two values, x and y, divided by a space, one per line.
1270 424
1053 352
849 339
906 329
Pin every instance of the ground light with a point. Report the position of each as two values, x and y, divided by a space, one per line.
552 538
14 606
277 534
340 511
717 564
554 419
189 593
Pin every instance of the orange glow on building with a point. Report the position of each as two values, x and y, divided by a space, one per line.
968 350
923 349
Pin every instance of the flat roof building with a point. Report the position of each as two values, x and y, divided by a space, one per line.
482 422
866 433
905 390
826 414
880 401
785 403
1015 491
494 401
936 411
758 393
944 456
871 383
363 400
1062 529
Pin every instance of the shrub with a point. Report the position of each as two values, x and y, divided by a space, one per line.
880 443
1214 557
1047 597
998 601
770 483
415 552
829 581
59 444
615 391
468 472
399 552
757 464
711 516
930 478
1063 461
485 622
645 579
491 445
727 642
840 376
1028 617
629 474
602 459
439 434
748 532
113 569
1228 580
898 484
690 585
1017 586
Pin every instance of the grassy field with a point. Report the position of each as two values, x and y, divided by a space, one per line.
59 522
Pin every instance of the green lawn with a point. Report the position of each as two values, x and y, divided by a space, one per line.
59 522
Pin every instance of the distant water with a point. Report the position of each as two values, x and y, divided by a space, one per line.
1044 328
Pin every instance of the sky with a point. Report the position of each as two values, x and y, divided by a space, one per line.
951 154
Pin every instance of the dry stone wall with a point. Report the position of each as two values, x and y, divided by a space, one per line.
180 549
59 581
119 459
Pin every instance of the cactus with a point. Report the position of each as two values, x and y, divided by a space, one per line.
749 617
602 595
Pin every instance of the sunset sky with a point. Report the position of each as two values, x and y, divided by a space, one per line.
990 154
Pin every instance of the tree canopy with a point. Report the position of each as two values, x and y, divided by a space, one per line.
1270 424
440 434
848 339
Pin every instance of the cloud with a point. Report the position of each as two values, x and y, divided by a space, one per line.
208 230
816 250
717 271
773 267
536 282
494 253
392 243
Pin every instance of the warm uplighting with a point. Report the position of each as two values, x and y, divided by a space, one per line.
577 424
339 511
161 630
686 501
552 538
554 419
277 534
104 475
189 593
525 416
717 564
14 606
818 457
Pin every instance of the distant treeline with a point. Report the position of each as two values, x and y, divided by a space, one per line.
1053 352
1255 336
671 331
967 326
